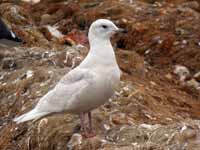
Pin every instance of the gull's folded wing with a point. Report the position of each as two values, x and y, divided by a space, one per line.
67 89
65 92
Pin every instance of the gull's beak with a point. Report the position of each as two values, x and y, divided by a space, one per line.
121 30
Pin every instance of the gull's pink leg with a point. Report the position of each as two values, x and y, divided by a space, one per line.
83 128
82 123
91 131
90 121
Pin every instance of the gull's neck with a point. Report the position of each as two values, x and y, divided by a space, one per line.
101 52
101 47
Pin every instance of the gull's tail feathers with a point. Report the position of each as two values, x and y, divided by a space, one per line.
33 114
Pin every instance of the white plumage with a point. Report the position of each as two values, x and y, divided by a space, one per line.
87 86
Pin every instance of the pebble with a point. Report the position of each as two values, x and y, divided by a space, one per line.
9 63
182 71
46 19
193 83
188 133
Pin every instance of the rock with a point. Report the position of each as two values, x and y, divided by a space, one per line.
193 83
197 76
9 63
182 71
46 19
75 142
188 133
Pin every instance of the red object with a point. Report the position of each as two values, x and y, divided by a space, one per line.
77 36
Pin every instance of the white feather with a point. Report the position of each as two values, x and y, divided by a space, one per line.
87 86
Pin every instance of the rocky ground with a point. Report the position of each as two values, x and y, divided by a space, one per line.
158 104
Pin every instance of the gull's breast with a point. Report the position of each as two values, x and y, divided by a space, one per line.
98 92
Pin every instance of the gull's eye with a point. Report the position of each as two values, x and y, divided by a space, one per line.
104 26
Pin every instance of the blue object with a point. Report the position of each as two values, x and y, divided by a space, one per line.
7 37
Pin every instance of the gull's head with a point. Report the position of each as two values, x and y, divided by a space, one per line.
103 29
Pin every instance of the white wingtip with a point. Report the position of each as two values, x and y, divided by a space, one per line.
29 116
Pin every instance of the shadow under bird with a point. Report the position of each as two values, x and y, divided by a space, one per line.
87 86
7 37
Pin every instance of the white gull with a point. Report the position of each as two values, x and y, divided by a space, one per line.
87 86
